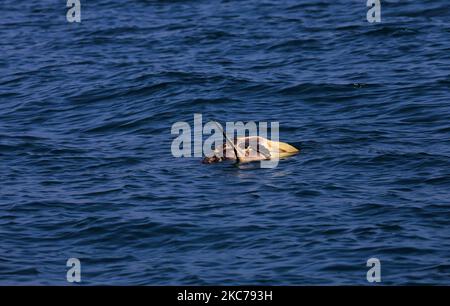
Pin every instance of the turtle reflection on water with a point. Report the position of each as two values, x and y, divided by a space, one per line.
248 149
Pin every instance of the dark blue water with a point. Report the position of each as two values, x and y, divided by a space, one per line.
86 169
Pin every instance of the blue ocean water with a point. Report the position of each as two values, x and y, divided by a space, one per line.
86 170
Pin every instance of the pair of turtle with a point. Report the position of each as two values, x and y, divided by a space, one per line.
252 148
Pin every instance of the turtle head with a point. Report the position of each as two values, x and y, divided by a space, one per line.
212 159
